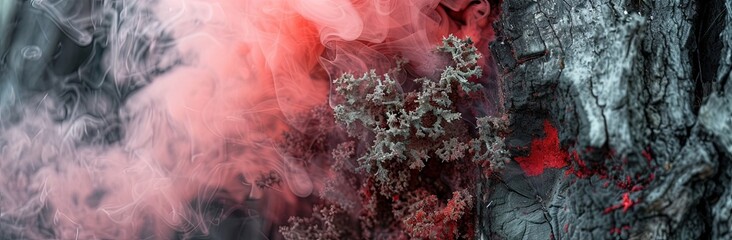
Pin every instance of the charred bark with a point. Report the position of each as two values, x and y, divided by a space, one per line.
638 92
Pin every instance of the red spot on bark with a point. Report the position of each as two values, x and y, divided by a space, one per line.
580 168
610 209
627 202
545 153
646 154
618 231
627 184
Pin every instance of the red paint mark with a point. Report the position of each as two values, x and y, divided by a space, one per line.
545 153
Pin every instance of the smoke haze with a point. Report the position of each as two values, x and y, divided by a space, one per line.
146 119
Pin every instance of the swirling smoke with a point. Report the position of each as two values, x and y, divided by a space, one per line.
144 119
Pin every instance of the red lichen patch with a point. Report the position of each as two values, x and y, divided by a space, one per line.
545 153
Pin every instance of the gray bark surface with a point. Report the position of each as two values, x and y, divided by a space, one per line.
633 88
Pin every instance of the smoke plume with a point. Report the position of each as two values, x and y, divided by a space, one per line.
143 119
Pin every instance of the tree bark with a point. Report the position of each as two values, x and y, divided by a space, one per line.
637 89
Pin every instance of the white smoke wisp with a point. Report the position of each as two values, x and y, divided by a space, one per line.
137 119
78 160
137 140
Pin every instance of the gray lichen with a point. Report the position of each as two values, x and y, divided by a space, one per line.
375 105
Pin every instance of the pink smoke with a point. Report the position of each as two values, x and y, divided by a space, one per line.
210 126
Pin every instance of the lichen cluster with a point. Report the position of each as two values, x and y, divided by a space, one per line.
410 156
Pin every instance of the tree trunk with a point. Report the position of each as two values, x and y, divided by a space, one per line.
637 90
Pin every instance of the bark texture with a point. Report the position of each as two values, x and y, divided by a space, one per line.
638 92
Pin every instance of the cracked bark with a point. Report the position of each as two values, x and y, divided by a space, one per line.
638 90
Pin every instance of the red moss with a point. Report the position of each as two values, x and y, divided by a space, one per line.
545 153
